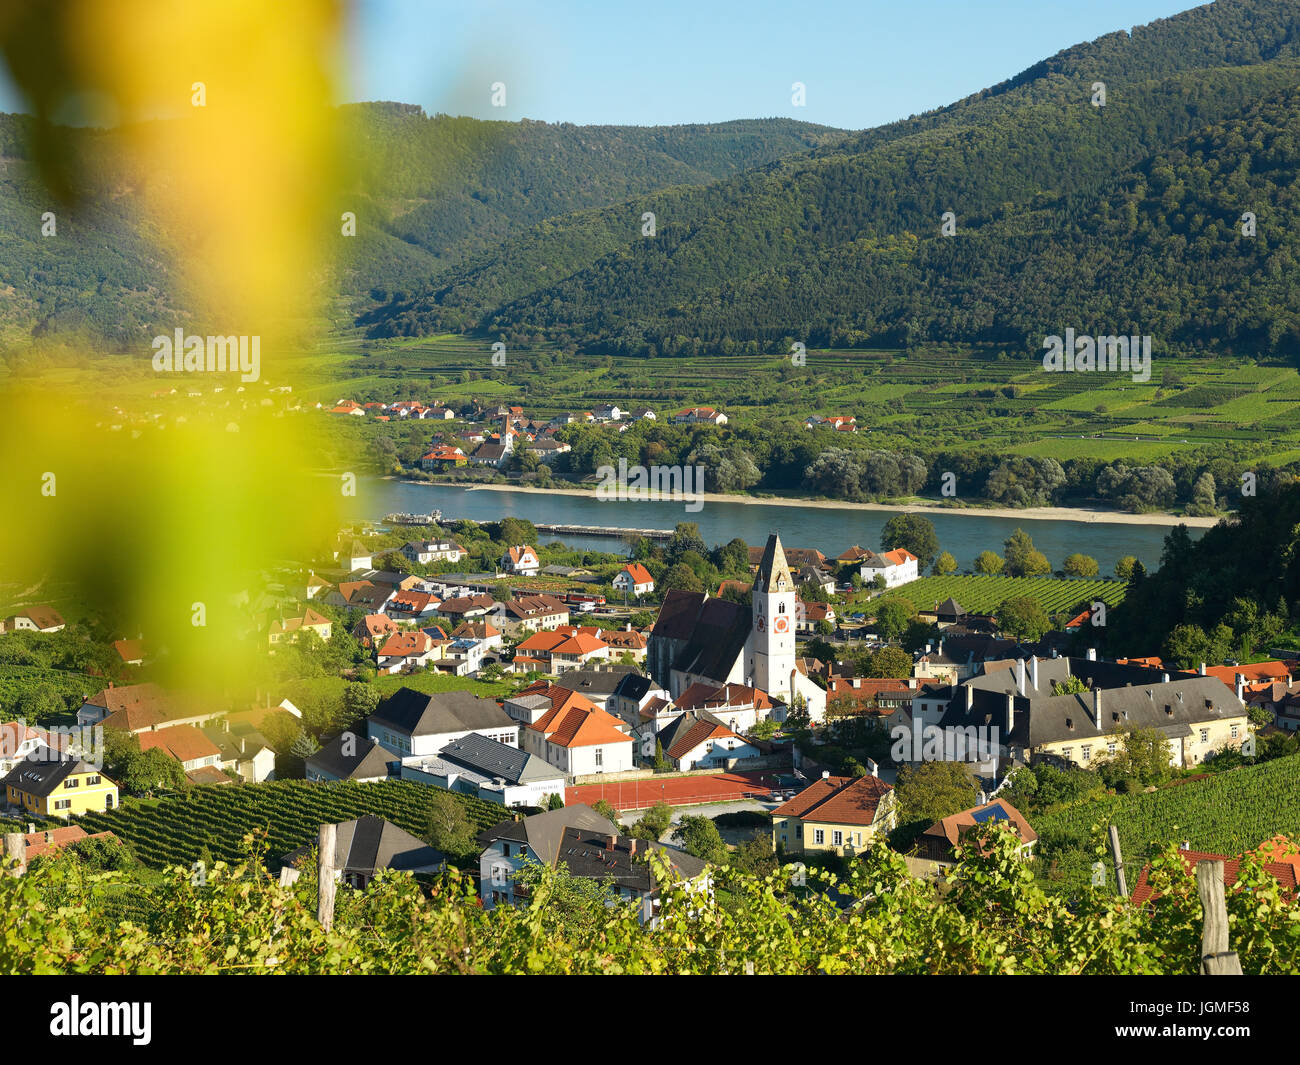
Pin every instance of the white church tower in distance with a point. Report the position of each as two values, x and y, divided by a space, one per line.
774 621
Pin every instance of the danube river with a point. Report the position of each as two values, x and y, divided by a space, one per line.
828 529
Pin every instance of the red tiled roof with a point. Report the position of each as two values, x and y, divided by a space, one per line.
1284 871
638 573
129 650
183 742
697 734
573 720
837 800
55 839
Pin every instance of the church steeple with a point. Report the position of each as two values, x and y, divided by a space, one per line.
773 572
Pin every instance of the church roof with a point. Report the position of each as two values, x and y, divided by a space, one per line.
713 632
773 570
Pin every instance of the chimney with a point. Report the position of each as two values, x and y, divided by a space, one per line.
1092 654
826 773
872 768
1033 672
1164 678
1202 669
49 838
1096 706
1020 675
31 829
1186 845
1241 688
1011 712
1054 654
631 845
611 841
970 696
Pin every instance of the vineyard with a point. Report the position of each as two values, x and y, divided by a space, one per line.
172 830
979 594
1223 813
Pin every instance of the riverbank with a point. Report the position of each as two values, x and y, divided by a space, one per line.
1073 514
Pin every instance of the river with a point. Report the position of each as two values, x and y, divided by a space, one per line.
830 530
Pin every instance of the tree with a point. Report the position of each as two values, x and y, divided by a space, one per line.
892 617
1124 567
988 562
654 822
555 801
944 564
1143 758
700 837
680 577
1023 618
888 662
1080 566
913 532
1022 560
153 770
516 531
447 827
359 702
606 809
932 791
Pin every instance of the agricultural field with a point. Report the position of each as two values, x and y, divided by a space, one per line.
172 830
978 593
1223 813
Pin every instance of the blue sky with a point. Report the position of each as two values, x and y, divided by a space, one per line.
863 62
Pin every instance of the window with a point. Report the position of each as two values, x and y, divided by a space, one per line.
92 780
600 756
1087 752
1205 735
1067 752
819 836
62 804
1111 747
1234 732
837 838
72 782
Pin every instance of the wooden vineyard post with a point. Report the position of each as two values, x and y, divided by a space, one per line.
16 847
1216 958
1118 858
325 877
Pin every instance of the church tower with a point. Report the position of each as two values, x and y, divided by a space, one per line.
773 630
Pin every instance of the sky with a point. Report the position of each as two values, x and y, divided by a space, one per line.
861 62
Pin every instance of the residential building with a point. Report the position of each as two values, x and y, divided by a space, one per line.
412 724
897 567
699 416
589 847
288 630
521 560
489 770
538 613
186 743
50 785
577 736
845 815
369 845
634 580
42 618
937 843
349 757
698 740
424 552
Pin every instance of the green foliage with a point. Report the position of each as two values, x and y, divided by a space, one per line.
914 532
1022 560
1023 618
699 836
1078 565
989 563
933 790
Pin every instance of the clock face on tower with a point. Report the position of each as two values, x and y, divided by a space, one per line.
762 624
781 624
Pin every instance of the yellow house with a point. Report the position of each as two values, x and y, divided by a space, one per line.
53 786
287 631
845 815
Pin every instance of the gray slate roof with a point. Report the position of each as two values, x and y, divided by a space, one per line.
493 759
368 759
370 844
418 714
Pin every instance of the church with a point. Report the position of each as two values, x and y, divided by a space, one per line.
698 639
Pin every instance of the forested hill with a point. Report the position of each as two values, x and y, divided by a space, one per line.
1123 217
427 191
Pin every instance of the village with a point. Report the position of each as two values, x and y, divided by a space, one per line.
747 719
